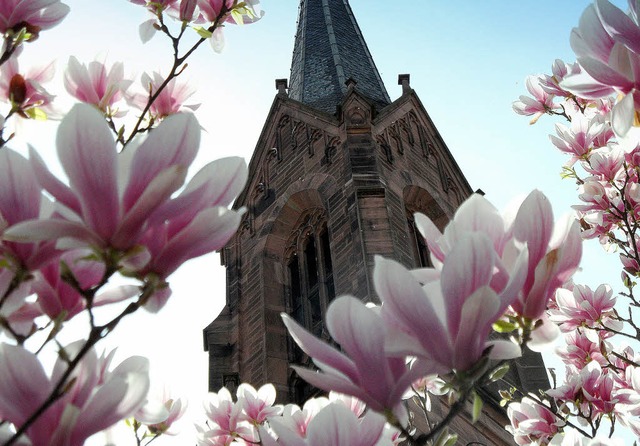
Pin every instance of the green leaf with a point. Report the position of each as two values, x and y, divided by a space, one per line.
477 407
203 32
499 373
503 326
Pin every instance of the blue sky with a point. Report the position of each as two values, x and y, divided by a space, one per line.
467 60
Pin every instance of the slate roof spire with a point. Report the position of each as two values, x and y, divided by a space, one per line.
329 49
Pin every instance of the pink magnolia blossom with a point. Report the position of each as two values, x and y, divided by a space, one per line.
583 346
225 421
20 200
553 251
364 370
34 15
532 422
580 138
94 400
334 425
607 45
95 84
257 405
110 209
541 103
297 420
56 297
448 321
583 307
219 11
24 90
559 69
160 412
170 101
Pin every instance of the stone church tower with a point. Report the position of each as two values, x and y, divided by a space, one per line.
334 180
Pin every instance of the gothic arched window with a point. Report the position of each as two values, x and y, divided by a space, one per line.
309 285
418 244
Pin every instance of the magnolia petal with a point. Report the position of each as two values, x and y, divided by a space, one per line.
504 350
50 229
88 154
117 294
174 142
124 392
217 40
360 333
19 189
335 425
469 266
60 191
147 30
623 116
157 191
477 315
619 25
543 337
319 350
402 296
210 230
534 225
604 74
20 393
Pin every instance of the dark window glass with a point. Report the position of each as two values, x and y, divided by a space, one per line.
311 262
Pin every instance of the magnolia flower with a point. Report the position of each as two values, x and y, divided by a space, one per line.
218 11
94 398
447 321
56 297
20 200
607 43
95 84
24 91
334 425
170 100
257 406
541 103
110 209
532 422
583 307
34 15
225 421
364 370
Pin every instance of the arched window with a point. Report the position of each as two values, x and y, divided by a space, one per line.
309 287
418 243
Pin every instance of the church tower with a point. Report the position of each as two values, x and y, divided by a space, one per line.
335 178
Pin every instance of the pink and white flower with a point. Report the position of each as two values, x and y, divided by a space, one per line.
35 15
96 84
94 400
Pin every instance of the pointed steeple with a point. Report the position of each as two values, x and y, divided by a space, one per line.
329 49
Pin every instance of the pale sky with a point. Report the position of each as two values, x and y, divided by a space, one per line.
468 60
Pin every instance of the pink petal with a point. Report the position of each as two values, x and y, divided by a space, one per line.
210 230
623 116
174 142
60 191
88 154
469 266
19 190
619 26
157 191
50 229
319 350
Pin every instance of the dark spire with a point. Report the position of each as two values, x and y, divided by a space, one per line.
330 49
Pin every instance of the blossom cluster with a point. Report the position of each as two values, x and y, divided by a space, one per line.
598 97
127 206
336 420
